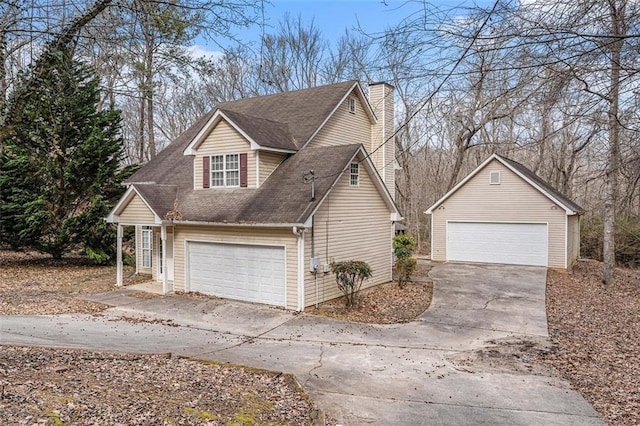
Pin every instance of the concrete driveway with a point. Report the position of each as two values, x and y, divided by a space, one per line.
465 361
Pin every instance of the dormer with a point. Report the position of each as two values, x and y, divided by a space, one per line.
234 150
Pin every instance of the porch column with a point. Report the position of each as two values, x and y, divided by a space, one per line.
165 273
119 257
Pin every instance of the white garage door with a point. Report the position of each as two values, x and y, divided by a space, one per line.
237 271
511 243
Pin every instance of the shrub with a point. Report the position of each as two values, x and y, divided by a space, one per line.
350 276
405 267
403 246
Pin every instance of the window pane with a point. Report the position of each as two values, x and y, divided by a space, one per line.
232 162
217 162
146 259
353 175
217 178
233 178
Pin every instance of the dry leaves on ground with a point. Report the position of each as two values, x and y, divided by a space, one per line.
597 332
383 304
35 284
47 386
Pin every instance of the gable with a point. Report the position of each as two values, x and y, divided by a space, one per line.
345 127
370 192
224 139
136 211
528 177
507 200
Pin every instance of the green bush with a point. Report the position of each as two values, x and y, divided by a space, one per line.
403 246
405 268
350 276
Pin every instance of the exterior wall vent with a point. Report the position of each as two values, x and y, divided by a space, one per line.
495 178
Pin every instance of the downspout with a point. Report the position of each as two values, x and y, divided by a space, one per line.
313 255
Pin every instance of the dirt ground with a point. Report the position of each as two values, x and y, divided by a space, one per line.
34 284
56 387
596 331
71 387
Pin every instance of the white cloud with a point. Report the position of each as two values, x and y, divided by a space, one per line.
198 51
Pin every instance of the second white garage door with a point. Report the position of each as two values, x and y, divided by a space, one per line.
238 271
510 243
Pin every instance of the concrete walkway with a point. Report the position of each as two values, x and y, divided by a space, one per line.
424 372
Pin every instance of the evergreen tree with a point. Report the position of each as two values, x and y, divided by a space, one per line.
59 162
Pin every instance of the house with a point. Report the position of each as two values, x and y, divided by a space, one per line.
503 213
257 198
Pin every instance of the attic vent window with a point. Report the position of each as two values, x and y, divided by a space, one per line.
354 175
352 105
495 178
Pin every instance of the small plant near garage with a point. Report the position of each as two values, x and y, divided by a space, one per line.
350 275
403 246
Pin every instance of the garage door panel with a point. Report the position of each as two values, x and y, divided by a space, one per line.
238 271
510 243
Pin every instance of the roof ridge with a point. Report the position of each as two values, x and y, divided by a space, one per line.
296 91
230 111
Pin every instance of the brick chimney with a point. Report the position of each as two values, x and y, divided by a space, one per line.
383 157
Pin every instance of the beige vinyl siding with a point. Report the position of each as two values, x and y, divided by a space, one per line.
573 240
513 200
224 139
353 223
239 235
137 212
381 99
268 163
344 127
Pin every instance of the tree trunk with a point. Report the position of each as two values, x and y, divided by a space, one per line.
141 123
617 12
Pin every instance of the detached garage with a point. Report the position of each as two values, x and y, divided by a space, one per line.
503 213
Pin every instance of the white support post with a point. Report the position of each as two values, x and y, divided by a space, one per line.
119 257
163 238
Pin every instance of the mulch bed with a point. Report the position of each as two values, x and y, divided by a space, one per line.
382 304
597 333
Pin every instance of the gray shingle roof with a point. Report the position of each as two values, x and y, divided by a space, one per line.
170 166
524 171
283 121
303 110
293 116
266 133
160 197
284 198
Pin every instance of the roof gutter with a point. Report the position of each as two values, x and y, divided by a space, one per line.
234 224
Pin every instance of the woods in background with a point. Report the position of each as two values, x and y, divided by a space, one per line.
552 84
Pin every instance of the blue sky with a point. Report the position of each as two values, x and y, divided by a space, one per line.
332 16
